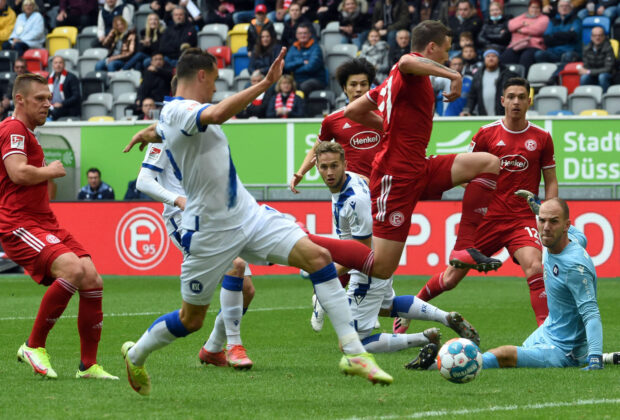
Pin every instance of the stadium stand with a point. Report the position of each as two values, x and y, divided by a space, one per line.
139 17
96 105
71 56
220 95
225 79
242 80
62 37
94 82
7 59
240 60
222 55
212 35
123 81
517 68
540 73
585 97
36 59
123 101
320 103
515 7
590 22
611 100
593 113
331 35
85 38
238 37
569 76
89 58
550 98
6 78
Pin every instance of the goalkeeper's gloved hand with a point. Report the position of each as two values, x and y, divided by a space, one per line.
532 200
595 362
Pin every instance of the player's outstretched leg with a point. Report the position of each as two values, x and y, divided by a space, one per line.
38 359
473 259
137 375
388 343
462 327
425 359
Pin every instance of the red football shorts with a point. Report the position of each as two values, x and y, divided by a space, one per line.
494 234
35 249
394 198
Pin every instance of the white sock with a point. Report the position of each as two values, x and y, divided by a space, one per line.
411 307
387 343
231 299
162 332
217 339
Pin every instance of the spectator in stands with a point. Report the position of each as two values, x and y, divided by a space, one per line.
562 37
403 46
65 89
260 22
389 17
155 80
148 43
177 36
607 8
327 12
121 45
598 60
527 36
78 13
164 8
353 23
421 10
110 9
290 26
147 108
305 59
258 107
376 52
220 11
265 52
286 103
484 97
465 20
6 103
471 63
29 30
7 21
95 189
495 31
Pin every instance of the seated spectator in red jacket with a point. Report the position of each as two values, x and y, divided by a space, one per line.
286 103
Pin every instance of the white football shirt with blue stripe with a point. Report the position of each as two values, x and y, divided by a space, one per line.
201 161
351 209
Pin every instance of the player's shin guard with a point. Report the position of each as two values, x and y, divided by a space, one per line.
331 295
162 332
90 323
538 297
477 197
52 306
231 299
433 288
411 307
348 253
387 343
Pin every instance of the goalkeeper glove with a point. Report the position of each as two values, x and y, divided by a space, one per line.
532 200
595 362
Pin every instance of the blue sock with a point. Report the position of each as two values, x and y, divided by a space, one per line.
489 361
401 304
324 274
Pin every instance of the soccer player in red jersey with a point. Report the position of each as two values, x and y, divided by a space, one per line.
525 150
402 174
31 236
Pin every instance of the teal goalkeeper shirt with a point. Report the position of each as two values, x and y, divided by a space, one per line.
574 321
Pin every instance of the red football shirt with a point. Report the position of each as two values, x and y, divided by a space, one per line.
21 204
523 155
407 103
360 143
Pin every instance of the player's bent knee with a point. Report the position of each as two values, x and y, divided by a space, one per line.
238 267
492 163
318 258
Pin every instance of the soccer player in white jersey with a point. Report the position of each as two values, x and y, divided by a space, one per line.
158 180
370 297
222 220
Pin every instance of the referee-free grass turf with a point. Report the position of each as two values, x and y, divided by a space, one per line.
296 370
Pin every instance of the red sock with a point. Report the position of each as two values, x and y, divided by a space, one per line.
432 288
538 297
90 320
349 253
53 304
477 197
344 279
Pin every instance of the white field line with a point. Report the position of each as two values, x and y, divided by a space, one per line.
452 413
129 314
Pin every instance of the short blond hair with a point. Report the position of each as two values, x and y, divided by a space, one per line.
23 82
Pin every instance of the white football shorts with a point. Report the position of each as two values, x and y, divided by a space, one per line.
367 296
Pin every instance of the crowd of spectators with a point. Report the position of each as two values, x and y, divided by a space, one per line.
483 37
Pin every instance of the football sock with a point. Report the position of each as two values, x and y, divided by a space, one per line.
349 253
433 288
410 307
386 343
477 197
52 306
231 299
217 339
489 361
90 322
538 297
162 332
331 295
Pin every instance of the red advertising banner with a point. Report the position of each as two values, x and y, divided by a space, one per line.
129 238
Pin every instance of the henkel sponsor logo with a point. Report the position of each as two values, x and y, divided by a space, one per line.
141 238
365 140
513 163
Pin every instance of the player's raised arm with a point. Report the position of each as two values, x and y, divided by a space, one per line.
143 137
231 106
422 66
362 110
306 165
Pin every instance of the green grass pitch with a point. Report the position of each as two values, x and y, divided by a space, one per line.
296 370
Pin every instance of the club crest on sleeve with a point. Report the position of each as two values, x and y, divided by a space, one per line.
154 153
17 141
52 239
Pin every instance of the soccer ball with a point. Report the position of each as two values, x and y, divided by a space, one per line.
459 360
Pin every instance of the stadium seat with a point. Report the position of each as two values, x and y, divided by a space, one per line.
319 103
560 113
44 74
242 80
62 37
94 82
341 101
124 81
7 59
6 78
225 80
221 95
71 56
89 58
124 100
301 94
585 97
85 38
212 35
101 118
517 68
238 37
279 28
611 100
515 8
331 35
590 22
615 45
540 73
97 104
594 113
36 59
140 16
222 55
550 98
569 76
338 54
241 60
